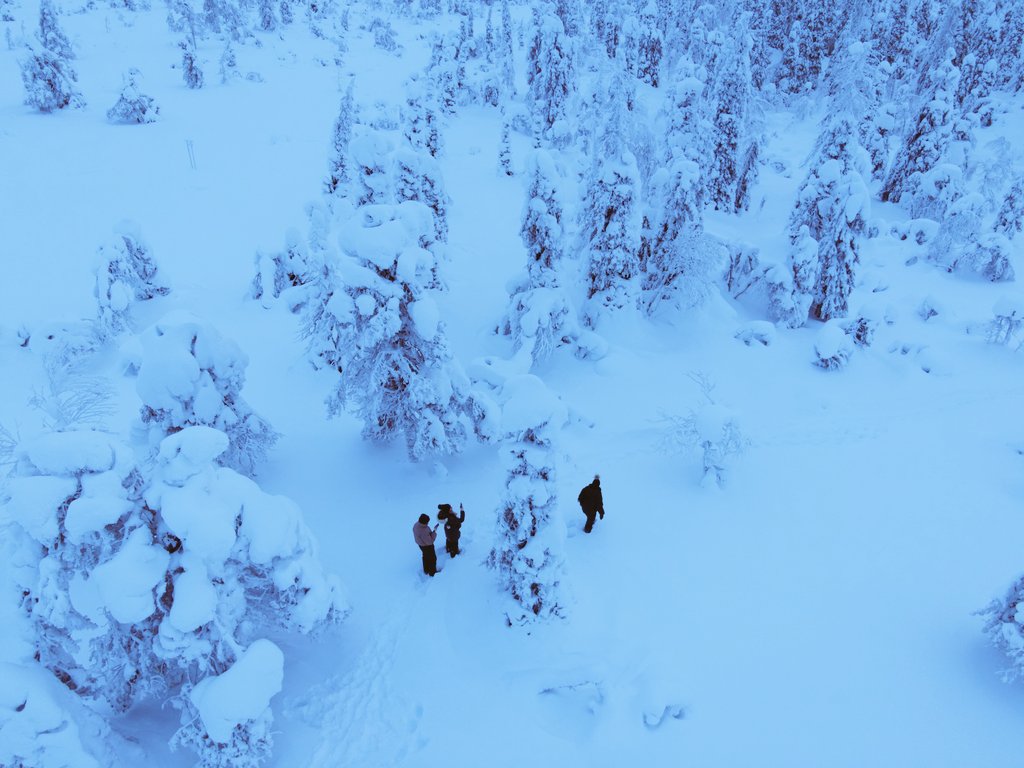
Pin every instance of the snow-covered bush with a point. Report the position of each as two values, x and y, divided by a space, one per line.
376 320
132 106
712 429
963 244
126 273
529 553
142 588
290 273
188 375
832 347
49 82
1004 626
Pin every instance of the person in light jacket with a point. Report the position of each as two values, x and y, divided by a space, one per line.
424 536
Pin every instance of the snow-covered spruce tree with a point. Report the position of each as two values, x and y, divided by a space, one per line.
133 107
812 39
791 289
551 76
857 85
49 81
142 589
370 153
679 259
267 17
505 152
190 70
442 74
126 273
1010 218
228 64
833 204
736 142
396 372
611 222
420 119
963 244
339 174
528 554
51 36
650 51
418 177
190 375
928 145
540 316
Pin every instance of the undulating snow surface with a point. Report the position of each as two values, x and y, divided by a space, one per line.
798 529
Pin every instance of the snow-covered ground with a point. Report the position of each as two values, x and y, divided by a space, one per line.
814 611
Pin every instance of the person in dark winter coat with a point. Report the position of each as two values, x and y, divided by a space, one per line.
424 536
591 502
452 527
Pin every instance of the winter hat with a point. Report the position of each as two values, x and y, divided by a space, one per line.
424 519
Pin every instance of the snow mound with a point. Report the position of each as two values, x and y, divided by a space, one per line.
32 503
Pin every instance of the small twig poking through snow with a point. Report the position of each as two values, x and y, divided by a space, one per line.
711 428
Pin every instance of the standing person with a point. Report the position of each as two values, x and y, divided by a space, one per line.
591 502
424 536
452 527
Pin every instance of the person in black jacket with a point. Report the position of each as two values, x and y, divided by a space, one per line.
452 527
591 502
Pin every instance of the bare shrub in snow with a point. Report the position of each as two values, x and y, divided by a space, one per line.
1006 324
71 399
710 428
132 106
190 375
529 553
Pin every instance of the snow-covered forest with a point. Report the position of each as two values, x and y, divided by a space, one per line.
278 277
